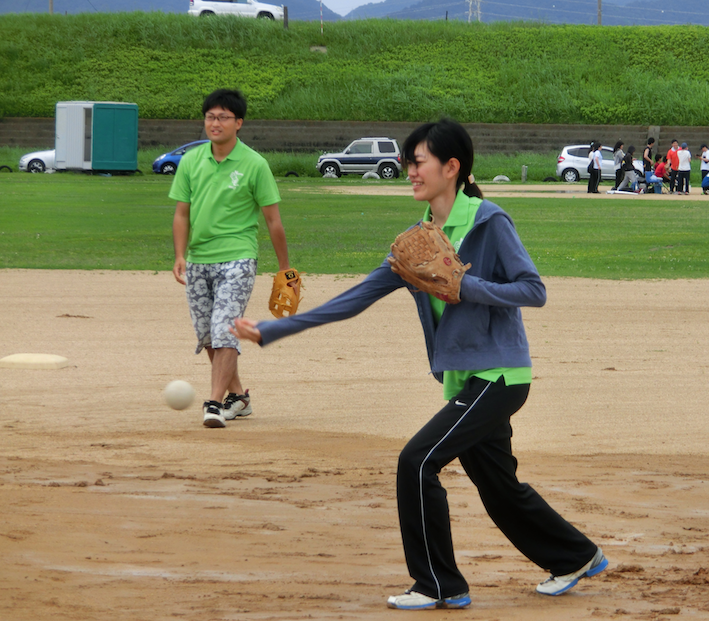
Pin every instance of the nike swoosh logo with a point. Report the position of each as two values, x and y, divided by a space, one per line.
460 403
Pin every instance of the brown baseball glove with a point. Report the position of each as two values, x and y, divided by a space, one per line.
424 257
285 295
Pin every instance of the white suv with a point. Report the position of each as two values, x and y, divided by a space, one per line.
379 155
244 8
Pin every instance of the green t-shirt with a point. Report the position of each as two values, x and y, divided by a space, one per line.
225 198
459 223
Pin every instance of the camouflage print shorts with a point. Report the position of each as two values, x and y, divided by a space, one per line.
217 293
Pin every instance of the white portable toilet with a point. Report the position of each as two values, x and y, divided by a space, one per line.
96 135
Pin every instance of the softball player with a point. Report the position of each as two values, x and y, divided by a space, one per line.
219 188
478 350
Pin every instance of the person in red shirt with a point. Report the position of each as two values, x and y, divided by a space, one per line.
661 168
673 160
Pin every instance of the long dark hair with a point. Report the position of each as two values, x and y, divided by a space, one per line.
446 139
617 146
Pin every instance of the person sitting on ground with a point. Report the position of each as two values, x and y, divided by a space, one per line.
661 168
705 185
650 177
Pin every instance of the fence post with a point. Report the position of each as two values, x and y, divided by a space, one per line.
285 17
524 174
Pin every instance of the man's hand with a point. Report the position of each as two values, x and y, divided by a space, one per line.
179 270
246 330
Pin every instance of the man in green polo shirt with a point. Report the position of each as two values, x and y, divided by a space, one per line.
219 188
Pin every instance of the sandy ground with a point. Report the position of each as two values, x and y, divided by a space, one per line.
529 190
113 507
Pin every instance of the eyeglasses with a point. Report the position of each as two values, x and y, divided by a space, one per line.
222 118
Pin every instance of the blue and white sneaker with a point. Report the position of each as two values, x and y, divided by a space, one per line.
556 585
411 600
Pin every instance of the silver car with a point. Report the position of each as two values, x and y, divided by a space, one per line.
572 163
243 8
37 162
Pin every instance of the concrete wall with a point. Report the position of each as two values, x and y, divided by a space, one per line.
311 136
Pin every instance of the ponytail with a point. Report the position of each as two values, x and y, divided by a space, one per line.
470 188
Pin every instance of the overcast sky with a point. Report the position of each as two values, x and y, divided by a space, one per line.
345 6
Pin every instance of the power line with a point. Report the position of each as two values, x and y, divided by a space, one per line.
590 13
610 8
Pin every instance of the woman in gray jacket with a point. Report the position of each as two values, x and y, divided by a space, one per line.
478 350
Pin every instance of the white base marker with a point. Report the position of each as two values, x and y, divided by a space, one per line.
33 361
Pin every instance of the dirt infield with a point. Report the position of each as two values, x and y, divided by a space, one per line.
529 190
114 508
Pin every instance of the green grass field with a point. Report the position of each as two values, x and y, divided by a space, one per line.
71 221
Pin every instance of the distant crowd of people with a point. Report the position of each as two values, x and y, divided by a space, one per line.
672 169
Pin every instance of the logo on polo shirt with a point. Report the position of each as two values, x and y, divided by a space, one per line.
458 244
235 179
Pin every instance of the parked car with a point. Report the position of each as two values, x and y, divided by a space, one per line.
572 163
37 161
244 8
167 163
379 155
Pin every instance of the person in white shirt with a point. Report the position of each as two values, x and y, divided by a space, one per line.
595 161
683 170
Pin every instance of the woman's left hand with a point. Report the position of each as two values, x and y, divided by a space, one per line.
245 329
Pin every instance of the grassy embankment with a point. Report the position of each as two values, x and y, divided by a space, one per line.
375 70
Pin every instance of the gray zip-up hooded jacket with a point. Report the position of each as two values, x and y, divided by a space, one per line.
483 331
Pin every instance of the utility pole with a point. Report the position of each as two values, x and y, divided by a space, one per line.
600 12
51 7
470 10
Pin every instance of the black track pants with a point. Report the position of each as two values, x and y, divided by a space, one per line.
594 180
475 427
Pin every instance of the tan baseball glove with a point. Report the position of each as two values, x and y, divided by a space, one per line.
285 295
424 257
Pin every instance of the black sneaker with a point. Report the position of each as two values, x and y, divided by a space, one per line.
213 416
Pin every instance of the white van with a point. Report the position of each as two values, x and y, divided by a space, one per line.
244 8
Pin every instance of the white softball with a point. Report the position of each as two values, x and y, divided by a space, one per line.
179 394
